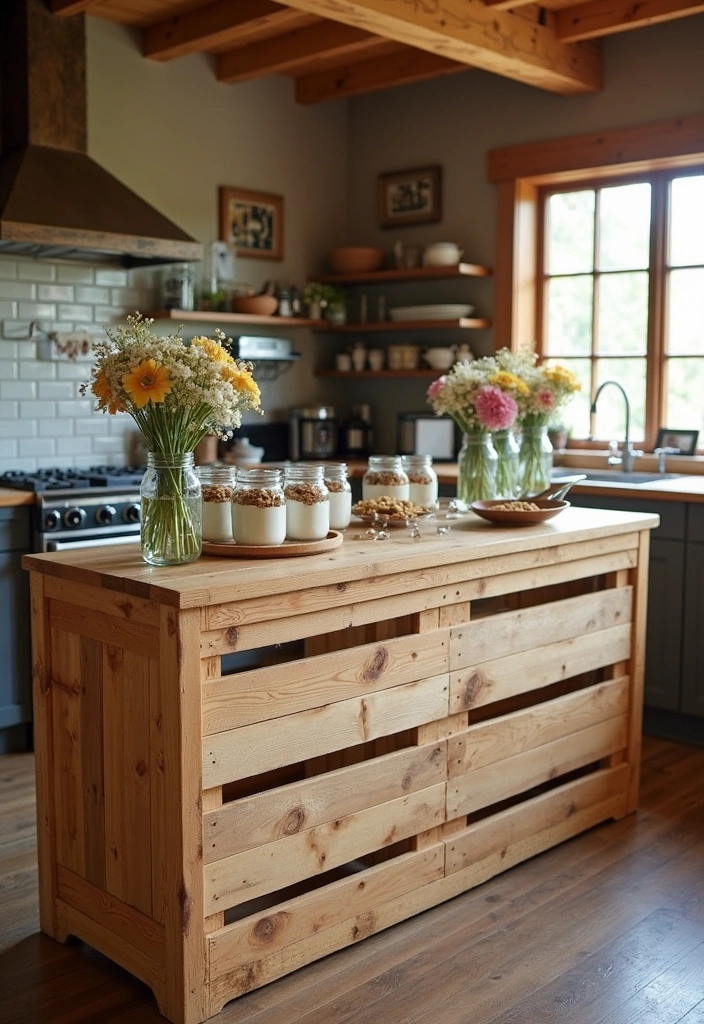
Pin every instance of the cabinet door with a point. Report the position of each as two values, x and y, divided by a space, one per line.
693 645
664 635
15 675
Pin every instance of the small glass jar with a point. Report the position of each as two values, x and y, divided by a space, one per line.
171 531
340 492
307 503
385 475
217 484
422 480
258 507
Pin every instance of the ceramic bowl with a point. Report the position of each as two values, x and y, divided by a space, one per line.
442 254
255 305
547 508
356 259
439 358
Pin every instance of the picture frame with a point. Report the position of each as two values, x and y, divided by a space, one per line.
409 197
685 440
252 222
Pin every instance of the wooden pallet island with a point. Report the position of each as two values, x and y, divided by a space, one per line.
245 765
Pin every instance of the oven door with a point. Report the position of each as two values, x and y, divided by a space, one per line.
50 544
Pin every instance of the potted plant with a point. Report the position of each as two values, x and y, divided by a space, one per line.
324 300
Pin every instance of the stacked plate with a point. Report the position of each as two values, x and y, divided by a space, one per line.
401 314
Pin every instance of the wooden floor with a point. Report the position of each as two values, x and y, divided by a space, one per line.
607 928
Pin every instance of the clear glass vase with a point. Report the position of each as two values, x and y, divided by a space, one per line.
171 531
507 450
476 468
535 460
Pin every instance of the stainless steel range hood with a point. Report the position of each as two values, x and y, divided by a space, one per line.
55 201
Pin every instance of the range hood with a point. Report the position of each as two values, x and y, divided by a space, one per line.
55 201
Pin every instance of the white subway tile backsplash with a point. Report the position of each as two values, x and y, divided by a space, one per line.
38 410
56 428
127 298
8 268
18 389
107 314
76 312
9 448
109 448
26 349
37 311
33 369
8 308
18 330
35 270
55 389
9 369
98 296
112 278
25 428
8 411
82 407
16 290
55 293
73 371
9 349
69 273
74 445
37 446
52 461
95 426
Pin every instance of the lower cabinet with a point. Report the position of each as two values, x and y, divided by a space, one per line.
15 673
693 639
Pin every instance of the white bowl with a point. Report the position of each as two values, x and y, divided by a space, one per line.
442 254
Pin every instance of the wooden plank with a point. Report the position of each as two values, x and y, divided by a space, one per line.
133 636
499 738
261 819
515 632
68 780
603 17
159 810
108 602
637 666
521 673
254 873
295 920
278 690
521 772
240 753
91 753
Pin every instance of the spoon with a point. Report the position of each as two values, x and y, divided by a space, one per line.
557 490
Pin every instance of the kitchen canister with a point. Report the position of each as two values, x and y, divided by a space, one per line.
217 484
385 475
258 507
340 494
307 503
422 480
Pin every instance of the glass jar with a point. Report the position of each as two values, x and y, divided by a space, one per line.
307 503
217 484
178 287
385 475
535 460
422 480
170 492
258 507
476 468
507 477
340 494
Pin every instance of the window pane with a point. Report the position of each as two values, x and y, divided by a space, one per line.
623 314
569 316
575 415
624 227
684 399
684 330
570 233
610 419
687 221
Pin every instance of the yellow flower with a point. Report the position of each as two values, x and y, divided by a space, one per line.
147 382
103 392
562 377
509 382
242 380
214 349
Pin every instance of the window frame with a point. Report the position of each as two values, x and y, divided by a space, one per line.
523 173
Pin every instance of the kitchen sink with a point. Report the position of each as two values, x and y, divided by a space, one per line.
613 476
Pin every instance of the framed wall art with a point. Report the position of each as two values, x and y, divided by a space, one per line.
685 440
252 222
409 197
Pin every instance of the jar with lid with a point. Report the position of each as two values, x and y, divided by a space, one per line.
258 507
307 503
385 475
340 493
178 287
422 480
217 484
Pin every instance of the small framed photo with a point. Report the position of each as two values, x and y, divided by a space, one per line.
252 222
410 197
685 440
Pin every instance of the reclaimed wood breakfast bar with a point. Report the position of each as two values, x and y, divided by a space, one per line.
246 764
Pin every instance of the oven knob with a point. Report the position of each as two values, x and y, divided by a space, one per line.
105 514
52 519
132 513
74 516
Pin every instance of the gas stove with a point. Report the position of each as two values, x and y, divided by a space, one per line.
73 479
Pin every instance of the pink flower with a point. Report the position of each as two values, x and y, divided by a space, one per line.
495 409
436 388
546 399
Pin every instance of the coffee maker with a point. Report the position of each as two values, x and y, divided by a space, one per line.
312 432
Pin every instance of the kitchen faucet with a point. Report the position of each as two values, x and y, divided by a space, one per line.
628 455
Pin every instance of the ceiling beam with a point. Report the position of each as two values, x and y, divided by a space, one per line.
470 33
399 68
67 7
604 17
216 26
324 41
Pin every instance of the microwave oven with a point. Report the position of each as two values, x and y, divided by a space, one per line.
420 433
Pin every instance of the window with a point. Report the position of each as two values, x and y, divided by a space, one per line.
601 266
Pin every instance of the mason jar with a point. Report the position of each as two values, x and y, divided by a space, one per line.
385 475
171 529
258 507
340 494
217 484
307 503
422 480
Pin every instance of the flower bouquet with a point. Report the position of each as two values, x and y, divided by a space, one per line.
176 393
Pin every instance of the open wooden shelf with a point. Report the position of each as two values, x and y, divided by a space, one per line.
415 274
464 323
424 372
213 316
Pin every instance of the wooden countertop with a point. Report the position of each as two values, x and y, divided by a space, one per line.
213 580
10 498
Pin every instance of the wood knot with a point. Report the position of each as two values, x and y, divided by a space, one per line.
268 928
376 665
233 635
141 768
473 687
342 587
126 608
294 821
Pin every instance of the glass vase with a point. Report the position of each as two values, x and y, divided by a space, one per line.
171 531
535 460
476 468
507 451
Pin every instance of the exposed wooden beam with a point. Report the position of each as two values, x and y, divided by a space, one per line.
470 33
604 17
324 41
398 68
68 7
216 26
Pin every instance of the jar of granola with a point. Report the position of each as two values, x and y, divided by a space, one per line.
307 503
385 475
335 476
258 507
217 484
422 480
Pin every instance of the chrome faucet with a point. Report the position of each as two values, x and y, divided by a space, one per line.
628 455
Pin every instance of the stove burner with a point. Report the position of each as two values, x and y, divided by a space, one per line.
72 479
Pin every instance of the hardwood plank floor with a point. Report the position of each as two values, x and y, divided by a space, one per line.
607 928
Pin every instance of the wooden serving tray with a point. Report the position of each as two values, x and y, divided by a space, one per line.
229 549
